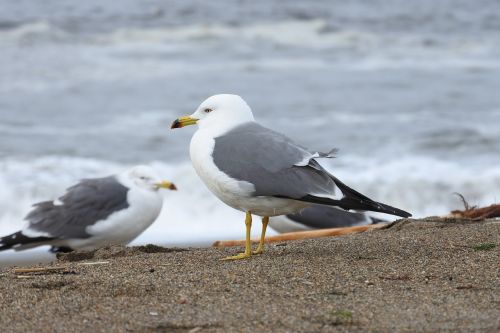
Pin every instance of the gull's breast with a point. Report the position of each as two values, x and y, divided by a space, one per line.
123 226
231 191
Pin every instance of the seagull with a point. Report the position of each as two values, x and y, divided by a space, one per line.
321 217
94 213
262 172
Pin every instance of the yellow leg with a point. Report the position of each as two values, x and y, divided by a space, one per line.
260 249
248 245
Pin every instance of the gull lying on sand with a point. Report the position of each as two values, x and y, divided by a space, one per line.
320 217
93 213
259 171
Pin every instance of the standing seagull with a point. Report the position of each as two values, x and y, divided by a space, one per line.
93 213
259 171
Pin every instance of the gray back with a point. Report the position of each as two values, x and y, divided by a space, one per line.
267 159
84 204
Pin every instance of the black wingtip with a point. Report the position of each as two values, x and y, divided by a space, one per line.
386 209
19 241
405 215
356 203
395 211
8 242
355 200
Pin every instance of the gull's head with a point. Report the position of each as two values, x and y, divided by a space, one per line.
221 111
144 177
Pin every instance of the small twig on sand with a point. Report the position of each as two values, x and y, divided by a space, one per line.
303 235
24 277
93 263
39 269
56 269
464 202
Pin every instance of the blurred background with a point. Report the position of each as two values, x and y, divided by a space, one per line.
408 91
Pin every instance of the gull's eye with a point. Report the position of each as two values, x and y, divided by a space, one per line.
207 110
143 177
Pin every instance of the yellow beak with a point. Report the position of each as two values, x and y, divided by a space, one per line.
183 121
167 185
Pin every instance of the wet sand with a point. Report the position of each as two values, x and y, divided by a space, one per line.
415 276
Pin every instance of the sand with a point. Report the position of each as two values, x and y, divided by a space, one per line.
415 276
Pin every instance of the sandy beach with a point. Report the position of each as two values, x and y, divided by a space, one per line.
414 276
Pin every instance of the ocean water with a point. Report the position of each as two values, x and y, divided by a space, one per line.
407 91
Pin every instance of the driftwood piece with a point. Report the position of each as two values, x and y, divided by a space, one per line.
303 235
474 212
38 270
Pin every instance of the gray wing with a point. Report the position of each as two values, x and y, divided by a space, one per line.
273 163
321 217
83 205
277 167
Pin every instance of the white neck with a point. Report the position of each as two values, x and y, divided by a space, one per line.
217 128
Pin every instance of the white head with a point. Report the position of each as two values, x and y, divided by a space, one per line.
144 177
219 111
